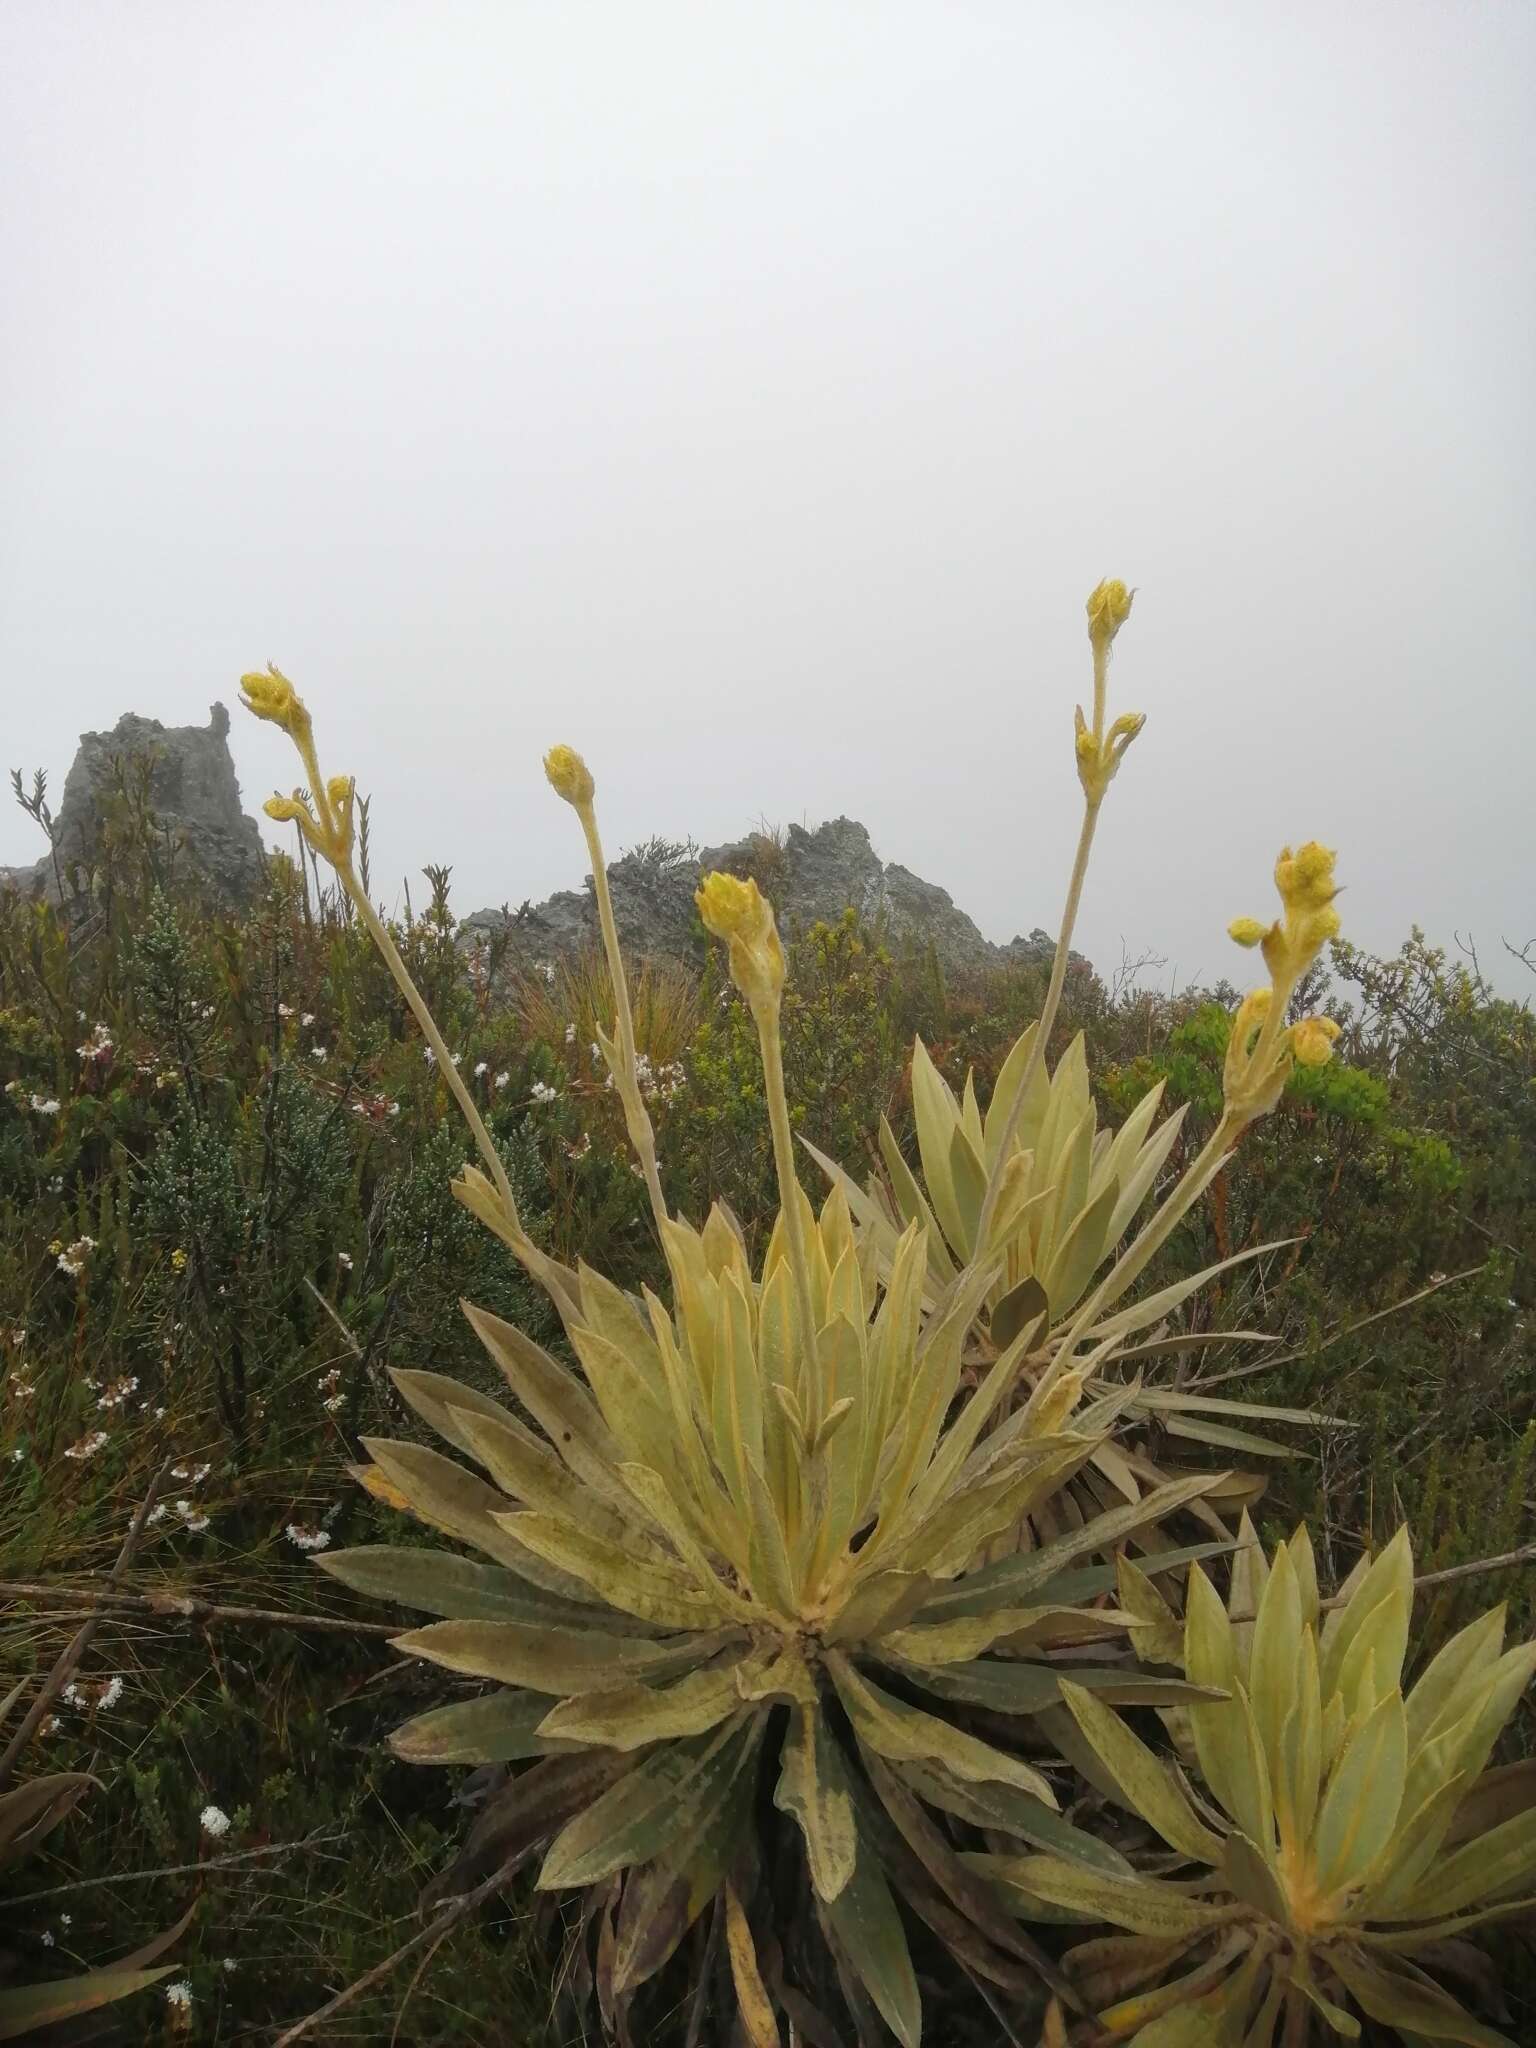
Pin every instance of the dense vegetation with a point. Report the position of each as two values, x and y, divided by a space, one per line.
225 1216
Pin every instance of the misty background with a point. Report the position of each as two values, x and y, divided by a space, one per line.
750 396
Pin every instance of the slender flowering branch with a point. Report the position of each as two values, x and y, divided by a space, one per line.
570 778
1099 754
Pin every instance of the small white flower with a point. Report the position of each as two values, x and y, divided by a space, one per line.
480 1067
303 1538
394 1109
179 1995
17 1455
66 1919
318 1052
542 1092
45 1105
193 1520
429 1055
456 1058
502 1079
570 1034
307 1019
283 1010
112 1692
213 1820
46 1938
88 1446
157 1513
344 1260
229 1964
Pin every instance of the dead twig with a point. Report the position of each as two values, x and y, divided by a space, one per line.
69 1657
185 1607
440 1924
1507 1560
1271 1361
234 1860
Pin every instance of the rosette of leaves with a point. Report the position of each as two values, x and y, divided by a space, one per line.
1335 1840
1069 1194
724 1578
28 1815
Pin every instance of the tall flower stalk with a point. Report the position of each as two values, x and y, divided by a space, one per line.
324 815
1099 754
570 778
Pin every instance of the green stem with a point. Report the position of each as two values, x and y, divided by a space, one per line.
642 1133
1047 1018
790 1198
521 1243
1196 1178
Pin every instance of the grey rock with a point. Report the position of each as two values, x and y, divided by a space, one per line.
190 786
810 876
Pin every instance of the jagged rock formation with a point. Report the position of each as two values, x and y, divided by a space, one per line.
186 776
810 876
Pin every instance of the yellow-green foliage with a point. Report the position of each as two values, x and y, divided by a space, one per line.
1340 1829
816 1507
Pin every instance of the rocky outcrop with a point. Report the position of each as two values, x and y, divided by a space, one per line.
810 876
184 775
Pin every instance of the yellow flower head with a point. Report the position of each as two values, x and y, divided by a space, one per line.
738 912
569 776
272 696
1305 877
1109 606
1312 1041
1248 931
285 809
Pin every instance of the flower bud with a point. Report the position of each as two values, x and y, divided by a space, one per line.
1312 1041
1305 877
737 912
1247 931
285 809
569 775
272 696
1109 606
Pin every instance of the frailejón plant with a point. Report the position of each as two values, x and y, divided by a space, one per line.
1335 1837
739 1576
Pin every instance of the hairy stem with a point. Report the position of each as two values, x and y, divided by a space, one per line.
1047 1017
637 1119
543 1268
790 1197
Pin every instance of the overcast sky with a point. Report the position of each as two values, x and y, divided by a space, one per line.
750 395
